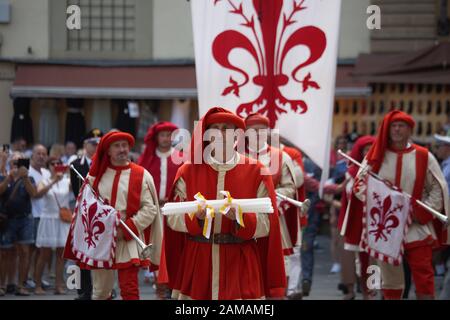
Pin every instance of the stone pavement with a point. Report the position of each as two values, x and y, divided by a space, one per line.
324 286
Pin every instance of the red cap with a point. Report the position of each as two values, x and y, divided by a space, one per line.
257 118
101 160
151 143
214 115
357 152
376 152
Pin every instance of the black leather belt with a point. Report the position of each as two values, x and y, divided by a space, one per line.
218 238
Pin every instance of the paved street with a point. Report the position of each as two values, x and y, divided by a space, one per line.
324 285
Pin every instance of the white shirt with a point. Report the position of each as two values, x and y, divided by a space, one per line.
61 190
163 156
36 204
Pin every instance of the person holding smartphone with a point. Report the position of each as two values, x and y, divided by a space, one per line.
16 190
52 231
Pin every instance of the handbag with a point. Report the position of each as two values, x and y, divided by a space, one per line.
65 214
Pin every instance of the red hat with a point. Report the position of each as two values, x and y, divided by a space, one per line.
257 118
101 161
376 152
214 115
357 152
151 143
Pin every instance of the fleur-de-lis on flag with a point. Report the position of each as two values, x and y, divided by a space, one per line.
269 46
383 217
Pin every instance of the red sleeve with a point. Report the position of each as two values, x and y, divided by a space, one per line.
248 231
194 225
421 215
132 226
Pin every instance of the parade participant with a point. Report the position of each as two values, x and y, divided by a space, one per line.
82 165
237 261
415 171
348 261
443 154
295 220
130 190
282 173
157 159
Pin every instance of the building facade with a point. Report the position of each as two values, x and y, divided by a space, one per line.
132 63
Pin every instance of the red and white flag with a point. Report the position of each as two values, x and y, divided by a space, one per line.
274 57
93 231
386 219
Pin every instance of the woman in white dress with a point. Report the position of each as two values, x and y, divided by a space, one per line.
52 232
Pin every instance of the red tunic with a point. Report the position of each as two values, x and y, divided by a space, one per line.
250 270
292 213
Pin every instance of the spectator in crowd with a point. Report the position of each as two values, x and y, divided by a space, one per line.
52 232
19 144
82 165
338 168
57 150
70 152
312 178
3 221
38 172
16 190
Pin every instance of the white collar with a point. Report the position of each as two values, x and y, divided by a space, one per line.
215 161
164 154
263 148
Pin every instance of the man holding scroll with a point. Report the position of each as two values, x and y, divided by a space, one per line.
242 257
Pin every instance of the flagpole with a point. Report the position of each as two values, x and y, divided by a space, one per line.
304 206
438 215
145 248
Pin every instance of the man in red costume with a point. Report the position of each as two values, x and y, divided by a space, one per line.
295 221
281 169
157 157
237 262
414 170
128 188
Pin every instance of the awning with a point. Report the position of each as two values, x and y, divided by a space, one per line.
130 82
430 65
68 81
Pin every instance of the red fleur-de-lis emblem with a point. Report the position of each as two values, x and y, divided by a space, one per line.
383 217
93 226
269 49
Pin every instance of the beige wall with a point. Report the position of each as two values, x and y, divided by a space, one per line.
354 36
143 35
7 75
172 30
29 27
175 40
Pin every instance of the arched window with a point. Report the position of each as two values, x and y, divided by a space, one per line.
419 128
410 107
381 107
355 107
373 128
336 108
429 106
372 108
438 107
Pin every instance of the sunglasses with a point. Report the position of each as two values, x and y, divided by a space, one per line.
58 163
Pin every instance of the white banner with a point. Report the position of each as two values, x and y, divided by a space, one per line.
275 57
386 220
94 231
